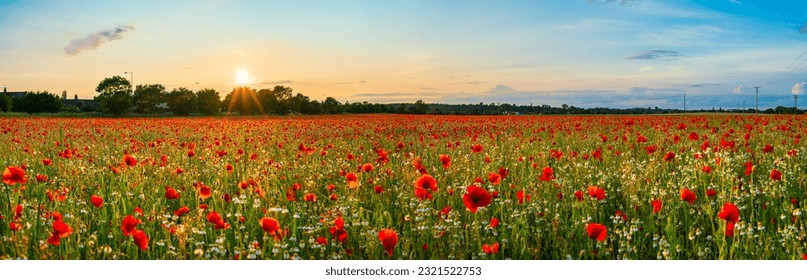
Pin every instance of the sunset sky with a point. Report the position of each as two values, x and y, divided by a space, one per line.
576 52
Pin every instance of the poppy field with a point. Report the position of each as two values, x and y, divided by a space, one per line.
404 187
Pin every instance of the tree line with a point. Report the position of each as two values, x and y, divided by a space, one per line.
116 97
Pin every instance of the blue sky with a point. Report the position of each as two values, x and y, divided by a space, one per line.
577 52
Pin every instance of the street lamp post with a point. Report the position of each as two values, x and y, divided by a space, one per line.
131 79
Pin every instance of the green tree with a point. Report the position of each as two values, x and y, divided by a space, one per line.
182 101
331 106
243 100
5 103
38 102
208 101
115 95
147 97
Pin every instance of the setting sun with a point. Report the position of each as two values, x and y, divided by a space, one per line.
242 77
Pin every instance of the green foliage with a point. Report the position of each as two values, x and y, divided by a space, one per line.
208 102
147 97
115 95
246 101
182 101
38 102
5 103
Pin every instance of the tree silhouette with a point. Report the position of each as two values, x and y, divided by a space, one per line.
115 95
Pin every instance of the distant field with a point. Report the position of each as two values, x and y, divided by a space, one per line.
717 186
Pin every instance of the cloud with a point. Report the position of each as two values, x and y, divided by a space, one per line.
738 2
739 89
655 54
798 88
704 85
623 3
803 28
95 40
277 82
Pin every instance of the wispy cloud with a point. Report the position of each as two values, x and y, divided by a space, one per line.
623 3
798 88
739 89
277 82
655 54
95 40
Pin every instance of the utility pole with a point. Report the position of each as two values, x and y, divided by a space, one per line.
685 102
757 99
131 79
796 103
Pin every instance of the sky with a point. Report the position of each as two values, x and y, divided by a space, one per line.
584 53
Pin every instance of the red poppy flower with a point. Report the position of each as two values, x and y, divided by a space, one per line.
596 231
621 215
476 148
181 211
141 239
476 197
656 204
229 168
322 240
776 175
14 226
129 160
547 174
128 225
171 193
422 193
60 230
269 225
214 218
494 222
97 201
730 213
651 149
366 167
14 175
204 191
378 189
711 192
494 178
669 156
444 212
46 161
310 197
338 230
688 196
596 192
706 169
333 197
388 239
578 195
352 180
41 178
767 149
729 229
749 168
490 248
521 197
446 161
18 211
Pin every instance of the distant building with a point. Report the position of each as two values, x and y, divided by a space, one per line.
13 94
80 103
